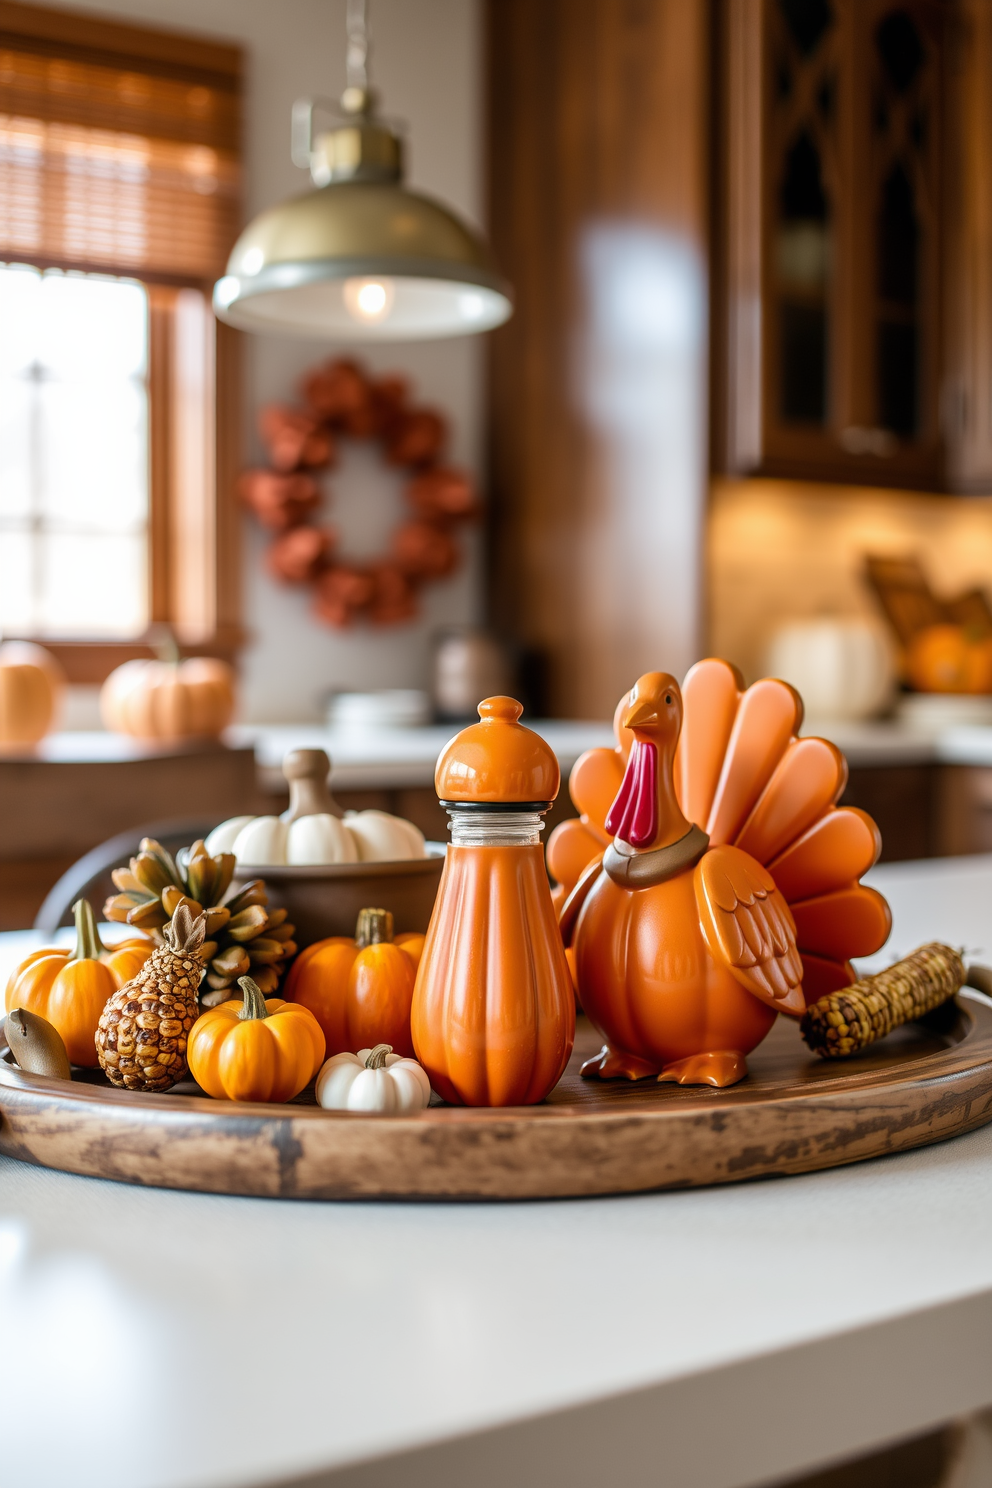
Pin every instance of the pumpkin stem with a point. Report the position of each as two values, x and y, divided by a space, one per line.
375 927
88 945
376 1057
254 1004
163 642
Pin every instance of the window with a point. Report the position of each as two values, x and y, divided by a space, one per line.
73 454
119 181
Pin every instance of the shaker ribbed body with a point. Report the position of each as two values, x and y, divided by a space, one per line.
493 1018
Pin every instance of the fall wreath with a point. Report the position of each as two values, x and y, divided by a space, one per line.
342 400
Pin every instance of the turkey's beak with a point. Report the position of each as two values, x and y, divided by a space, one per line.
641 713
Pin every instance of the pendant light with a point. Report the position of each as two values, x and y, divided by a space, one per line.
362 258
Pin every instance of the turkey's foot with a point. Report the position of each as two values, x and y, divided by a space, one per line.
617 1064
721 1067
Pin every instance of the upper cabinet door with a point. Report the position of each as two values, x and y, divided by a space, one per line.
830 229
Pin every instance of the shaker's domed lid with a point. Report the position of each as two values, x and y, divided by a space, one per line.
497 761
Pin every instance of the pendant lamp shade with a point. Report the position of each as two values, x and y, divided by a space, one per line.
361 258
361 261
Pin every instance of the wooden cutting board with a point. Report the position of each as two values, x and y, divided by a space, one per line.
794 1113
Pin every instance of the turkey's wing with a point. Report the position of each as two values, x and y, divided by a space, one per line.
748 927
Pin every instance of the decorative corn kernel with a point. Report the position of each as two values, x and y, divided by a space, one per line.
844 1022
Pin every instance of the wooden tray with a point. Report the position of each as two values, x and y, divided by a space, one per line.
795 1113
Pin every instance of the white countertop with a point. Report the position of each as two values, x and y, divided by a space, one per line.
702 1339
380 758
366 759
394 758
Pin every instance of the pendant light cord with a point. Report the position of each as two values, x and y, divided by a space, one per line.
357 28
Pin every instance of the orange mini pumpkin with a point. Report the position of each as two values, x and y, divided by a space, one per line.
360 991
945 658
169 700
70 987
261 1049
31 686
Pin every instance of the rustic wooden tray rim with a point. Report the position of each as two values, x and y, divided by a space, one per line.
674 1101
794 1115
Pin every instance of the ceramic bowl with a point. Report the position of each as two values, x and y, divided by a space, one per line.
325 900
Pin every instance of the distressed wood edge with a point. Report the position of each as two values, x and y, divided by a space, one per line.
453 1154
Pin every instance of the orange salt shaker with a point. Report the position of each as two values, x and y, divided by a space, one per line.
493 1017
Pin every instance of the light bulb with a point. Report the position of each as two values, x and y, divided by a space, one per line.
368 299
472 306
226 290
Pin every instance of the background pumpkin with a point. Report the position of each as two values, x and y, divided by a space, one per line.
843 667
31 686
255 1050
945 658
360 991
168 700
70 988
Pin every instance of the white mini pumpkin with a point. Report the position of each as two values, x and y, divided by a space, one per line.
263 840
373 1080
380 837
363 836
223 838
321 838
313 832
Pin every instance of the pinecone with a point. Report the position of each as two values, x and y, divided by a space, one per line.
243 936
142 1033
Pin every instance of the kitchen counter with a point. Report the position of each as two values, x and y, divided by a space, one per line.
394 758
706 1339
364 759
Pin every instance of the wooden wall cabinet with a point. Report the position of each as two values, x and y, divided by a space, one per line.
852 326
599 139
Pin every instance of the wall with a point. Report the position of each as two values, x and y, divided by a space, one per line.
426 64
783 549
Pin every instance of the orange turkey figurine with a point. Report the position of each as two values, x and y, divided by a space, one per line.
684 943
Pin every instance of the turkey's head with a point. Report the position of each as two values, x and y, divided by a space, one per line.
646 814
654 710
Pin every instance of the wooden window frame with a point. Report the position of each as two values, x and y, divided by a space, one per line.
203 616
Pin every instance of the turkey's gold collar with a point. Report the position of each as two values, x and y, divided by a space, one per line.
642 870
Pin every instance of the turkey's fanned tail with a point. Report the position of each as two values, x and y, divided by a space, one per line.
769 715
854 921
711 695
808 779
836 851
748 927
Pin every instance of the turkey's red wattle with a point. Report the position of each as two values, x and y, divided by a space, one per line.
633 817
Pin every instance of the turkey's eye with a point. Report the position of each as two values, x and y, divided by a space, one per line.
668 698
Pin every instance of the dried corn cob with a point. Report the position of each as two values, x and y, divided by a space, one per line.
844 1022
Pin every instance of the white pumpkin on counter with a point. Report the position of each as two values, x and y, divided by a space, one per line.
843 668
314 831
373 1080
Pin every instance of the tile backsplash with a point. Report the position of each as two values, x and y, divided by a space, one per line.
778 550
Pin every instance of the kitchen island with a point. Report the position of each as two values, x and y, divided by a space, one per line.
709 1338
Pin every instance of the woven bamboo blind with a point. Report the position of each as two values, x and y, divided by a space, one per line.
116 153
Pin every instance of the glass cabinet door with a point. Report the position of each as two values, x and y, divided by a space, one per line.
841 109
